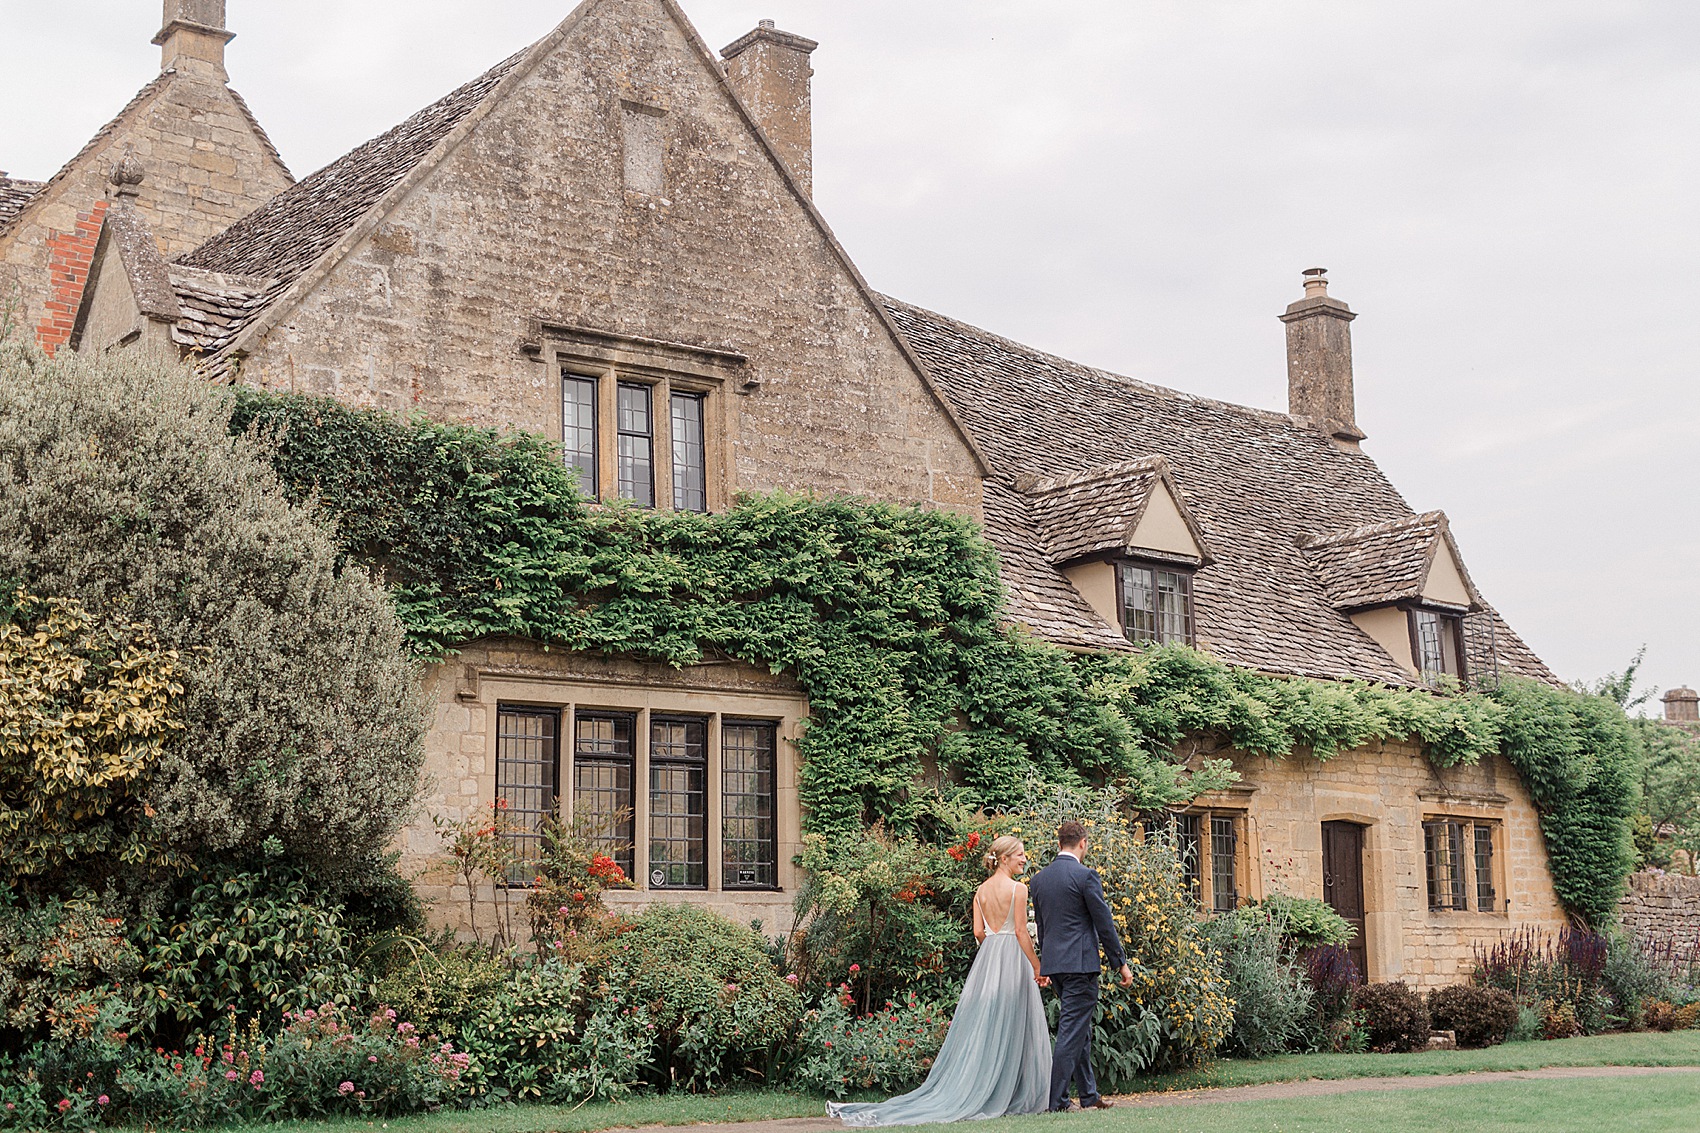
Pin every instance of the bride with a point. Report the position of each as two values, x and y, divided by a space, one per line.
996 1058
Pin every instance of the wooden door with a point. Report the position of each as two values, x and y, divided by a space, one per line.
1343 883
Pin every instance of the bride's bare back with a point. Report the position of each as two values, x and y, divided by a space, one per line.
995 897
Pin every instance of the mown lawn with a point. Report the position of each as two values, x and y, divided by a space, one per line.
1631 1105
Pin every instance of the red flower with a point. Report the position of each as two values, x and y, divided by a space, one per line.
973 841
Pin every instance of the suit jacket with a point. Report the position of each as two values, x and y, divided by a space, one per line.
1074 919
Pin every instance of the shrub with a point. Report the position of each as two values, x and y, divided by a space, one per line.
564 903
1530 1025
257 941
55 954
1633 976
1271 996
1395 1017
1547 973
1301 922
1478 1016
302 713
889 1051
1178 1009
441 986
1335 1024
1663 1016
85 711
547 1035
719 1008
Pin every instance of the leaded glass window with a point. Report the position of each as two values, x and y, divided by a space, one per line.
690 456
1485 896
1188 842
1224 845
1443 847
1156 604
528 769
1434 642
678 802
578 429
603 767
636 468
748 851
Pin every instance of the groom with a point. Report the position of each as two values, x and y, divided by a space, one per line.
1074 920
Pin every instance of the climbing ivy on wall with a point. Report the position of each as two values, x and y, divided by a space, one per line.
889 618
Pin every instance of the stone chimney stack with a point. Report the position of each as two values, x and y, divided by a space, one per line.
1682 706
770 71
1319 360
193 33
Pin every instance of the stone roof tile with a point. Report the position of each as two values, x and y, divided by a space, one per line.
15 193
1258 484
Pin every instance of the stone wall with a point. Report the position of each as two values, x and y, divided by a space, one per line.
1390 789
535 219
1663 909
206 165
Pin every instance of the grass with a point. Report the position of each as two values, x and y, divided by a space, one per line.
1630 1105
1650 1048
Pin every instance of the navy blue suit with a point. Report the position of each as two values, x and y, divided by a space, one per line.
1074 922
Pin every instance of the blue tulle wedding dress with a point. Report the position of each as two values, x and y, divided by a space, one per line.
996 1058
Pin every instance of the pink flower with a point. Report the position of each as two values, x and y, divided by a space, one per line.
230 1075
413 1042
405 1029
102 1100
389 1013
255 1079
792 978
359 1093
371 1058
345 1088
64 1104
855 968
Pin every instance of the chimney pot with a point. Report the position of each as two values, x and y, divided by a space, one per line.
193 30
769 69
1319 360
1682 706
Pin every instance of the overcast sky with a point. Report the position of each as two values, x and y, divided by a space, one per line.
1507 192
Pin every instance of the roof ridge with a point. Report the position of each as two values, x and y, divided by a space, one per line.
1362 531
1271 415
1046 485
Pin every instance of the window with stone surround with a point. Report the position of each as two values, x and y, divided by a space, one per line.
528 774
604 765
1155 602
750 854
1208 843
1458 856
678 802
642 420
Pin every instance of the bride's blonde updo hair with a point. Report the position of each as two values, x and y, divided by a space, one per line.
1004 846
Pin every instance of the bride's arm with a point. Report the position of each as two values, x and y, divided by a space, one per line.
1021 933
979 921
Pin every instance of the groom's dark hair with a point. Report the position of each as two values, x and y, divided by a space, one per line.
1070 834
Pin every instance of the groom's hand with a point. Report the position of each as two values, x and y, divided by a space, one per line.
1127 975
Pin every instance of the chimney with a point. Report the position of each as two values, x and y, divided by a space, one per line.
193 30
770 71
1319 360
1682 706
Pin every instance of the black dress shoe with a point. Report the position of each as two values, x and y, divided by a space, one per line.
1067 1107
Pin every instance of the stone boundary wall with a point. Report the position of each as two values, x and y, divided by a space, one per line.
1663 908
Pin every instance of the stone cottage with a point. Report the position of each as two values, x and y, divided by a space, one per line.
608 238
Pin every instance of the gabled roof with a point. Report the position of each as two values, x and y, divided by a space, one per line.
1258 484
1381 563
285 236
15 192
1097 511
1040 598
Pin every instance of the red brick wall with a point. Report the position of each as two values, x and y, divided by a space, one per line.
70 254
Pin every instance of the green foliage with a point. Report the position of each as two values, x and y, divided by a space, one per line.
890 618
889 1051
550 1034
1395 1017
85 711
1576 755
122 488
1177 1010
58 960
442 987
719 1008
1478 1016
1635 975
256 942
1670 783
1271 996
1300 922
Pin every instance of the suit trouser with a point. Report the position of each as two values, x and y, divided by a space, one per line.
1072 1059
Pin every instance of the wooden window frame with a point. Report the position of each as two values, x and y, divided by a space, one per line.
593 490
700 400
647 437
1186 571
551 768
1200 878
1452 617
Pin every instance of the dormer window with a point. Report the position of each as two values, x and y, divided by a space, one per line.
1437 644
1155 602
